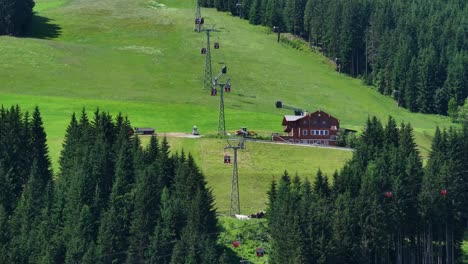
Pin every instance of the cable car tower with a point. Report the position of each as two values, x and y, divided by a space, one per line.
224 87
199 21
235 197
208 75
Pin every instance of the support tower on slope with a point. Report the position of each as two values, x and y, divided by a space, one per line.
208 75
199 21
224 87
235 197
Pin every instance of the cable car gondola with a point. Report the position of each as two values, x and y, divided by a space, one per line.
227 88
388 194
203 51
259 252
443 192
197 21
216 45
227 159
213 92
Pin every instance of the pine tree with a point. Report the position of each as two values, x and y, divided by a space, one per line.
345 234
152 151
17 15
284 224
426 79
321 186
452 109
115 222
391 133
145 214
4 235
255 13
160 250
273 14
26 219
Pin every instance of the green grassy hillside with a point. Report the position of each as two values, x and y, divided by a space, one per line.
258 164
143 58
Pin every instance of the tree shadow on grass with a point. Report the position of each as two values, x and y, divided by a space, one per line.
43 28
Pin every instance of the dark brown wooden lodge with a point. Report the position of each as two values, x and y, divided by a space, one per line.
318 128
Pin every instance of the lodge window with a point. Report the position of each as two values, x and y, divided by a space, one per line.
326 132
333 128
304 132
324 122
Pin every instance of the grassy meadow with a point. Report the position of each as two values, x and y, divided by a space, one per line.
142 58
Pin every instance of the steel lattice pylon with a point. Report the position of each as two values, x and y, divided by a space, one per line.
235 197
208 76
221 121
198 26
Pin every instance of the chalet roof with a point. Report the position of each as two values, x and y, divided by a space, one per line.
292 118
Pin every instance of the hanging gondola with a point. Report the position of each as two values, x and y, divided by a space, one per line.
443 192
259 252
227 158
216 45
388 194
227 87
202 21
203 50
197 21
213 92
235 243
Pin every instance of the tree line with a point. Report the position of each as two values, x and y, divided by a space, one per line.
15 16
383 206
112 201
415 51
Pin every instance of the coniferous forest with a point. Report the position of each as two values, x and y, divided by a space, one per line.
112 200
414 51
15 16
383 206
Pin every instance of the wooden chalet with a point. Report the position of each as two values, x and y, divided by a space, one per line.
319 128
